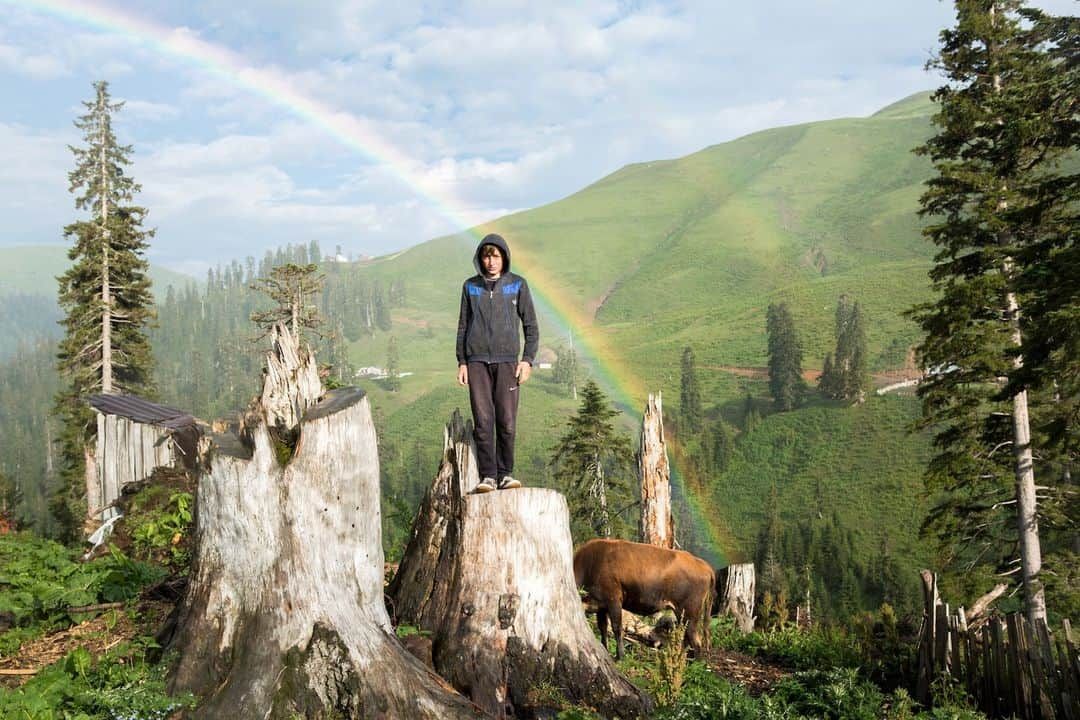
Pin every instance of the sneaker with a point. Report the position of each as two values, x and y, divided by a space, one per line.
508 483
485 486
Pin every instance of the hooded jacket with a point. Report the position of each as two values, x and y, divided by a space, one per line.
488 320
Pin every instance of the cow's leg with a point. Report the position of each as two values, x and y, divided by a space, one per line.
615 612
601 622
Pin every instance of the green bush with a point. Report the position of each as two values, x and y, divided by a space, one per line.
792 647
121 684
162 530
706 696
41 581
833 694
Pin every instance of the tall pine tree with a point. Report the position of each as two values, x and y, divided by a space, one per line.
592 462
690 393
293 289
996 147
105 297
785 358
845 375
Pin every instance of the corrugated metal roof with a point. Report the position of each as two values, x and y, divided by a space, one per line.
140 410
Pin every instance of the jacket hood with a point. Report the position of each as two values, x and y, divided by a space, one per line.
497 241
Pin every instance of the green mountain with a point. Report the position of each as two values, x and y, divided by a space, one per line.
33 269
28 308
661 255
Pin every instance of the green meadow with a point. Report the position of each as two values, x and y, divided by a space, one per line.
690 252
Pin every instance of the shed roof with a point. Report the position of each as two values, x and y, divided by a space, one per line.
140 410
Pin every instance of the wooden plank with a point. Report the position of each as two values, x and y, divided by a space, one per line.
1019 679
1070 670
123 455
926 640
941 647
1002 697
1043 678
112 461
165 454
1070 682
93 489
990 704
955 663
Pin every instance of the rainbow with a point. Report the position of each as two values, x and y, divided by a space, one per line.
361 136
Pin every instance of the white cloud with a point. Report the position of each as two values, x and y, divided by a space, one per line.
33 65
149 111
489 104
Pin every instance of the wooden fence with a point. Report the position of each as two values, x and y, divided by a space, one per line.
1008 666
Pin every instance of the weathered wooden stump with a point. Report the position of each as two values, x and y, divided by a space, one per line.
505 615
413 588
284 615
738 597
655 524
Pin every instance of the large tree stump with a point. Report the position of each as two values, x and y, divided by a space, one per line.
505 616
284 612
738 598
655 524
413 587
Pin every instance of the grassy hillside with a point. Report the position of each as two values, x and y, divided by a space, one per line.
32 270
691 251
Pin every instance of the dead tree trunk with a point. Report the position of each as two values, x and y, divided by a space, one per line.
413 588
655 525
284 613
738 600
503 609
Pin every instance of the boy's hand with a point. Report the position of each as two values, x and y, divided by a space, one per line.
523 371
463 374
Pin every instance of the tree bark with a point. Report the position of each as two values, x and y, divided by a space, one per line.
738 599
655 525
284 612
1027 520
503 610
415 584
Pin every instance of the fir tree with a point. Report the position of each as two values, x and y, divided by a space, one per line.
998 139
293 289
751 417
690 393
393 361
785 358
105 297
845 375
592 462
381 308
565 372
720 446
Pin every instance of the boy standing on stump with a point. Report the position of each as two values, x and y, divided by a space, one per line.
493 304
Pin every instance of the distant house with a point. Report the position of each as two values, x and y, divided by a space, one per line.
134 436
545 358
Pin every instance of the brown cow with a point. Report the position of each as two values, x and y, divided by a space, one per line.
621 575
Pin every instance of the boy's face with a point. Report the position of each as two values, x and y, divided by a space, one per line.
491 260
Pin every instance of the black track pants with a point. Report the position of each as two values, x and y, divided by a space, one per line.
493 395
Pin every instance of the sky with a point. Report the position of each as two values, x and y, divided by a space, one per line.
375 125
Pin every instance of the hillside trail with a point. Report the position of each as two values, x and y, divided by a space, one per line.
755 674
